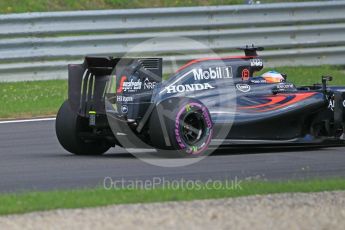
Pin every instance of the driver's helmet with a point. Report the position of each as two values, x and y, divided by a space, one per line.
273 77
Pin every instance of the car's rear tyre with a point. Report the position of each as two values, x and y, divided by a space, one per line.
181 127
68 126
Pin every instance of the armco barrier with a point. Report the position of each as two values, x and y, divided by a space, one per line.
39 45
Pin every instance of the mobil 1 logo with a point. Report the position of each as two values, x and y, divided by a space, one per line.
213 73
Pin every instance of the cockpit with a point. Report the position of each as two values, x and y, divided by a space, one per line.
270 77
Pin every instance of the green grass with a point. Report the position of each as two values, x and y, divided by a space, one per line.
30 99
41 201
41 98
19 6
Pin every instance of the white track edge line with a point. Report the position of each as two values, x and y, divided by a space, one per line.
28 120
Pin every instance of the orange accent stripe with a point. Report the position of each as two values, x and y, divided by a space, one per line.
274 100
299 97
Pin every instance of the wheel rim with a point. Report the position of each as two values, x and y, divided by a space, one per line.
193 127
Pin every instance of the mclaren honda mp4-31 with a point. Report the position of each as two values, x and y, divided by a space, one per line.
205 104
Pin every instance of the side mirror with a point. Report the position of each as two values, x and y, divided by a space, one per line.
325 79
284 76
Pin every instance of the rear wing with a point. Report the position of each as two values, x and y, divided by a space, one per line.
87 82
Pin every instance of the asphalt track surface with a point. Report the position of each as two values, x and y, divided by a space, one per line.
32 159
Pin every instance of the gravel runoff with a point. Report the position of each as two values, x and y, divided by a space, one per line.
284 211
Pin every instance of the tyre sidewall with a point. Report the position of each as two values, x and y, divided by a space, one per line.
175 109
68 126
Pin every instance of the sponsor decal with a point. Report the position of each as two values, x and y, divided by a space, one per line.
124 109
243 88
149 85
245 75
258 81
131 86
331 103
188 88
123 79
121 98
213 73
256 62
285 86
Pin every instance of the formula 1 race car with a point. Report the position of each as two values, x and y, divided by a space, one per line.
207 103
